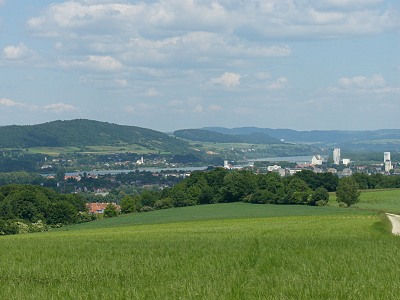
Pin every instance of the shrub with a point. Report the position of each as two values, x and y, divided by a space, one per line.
38 226
146 209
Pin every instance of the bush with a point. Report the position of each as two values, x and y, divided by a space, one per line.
319 197
163 203
146 209
347 191
110 211
321 203
7 227
38 226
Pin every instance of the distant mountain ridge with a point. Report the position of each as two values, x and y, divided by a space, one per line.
201 135
367 139
81 132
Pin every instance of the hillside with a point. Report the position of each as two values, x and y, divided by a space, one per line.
218 137
376 140
80 133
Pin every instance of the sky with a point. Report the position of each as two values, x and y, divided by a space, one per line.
175 64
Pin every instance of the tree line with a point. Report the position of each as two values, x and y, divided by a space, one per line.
221 186
29 208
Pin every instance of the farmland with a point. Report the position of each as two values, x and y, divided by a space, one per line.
224 251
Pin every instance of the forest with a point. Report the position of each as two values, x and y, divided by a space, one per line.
80 133
221 186
29 208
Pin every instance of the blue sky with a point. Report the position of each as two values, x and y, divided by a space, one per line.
173 64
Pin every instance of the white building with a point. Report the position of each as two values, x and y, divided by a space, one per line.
140 161
336 156
317 160
273 168
227 165
386 156
387 162
346 161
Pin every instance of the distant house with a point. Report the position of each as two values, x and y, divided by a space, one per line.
98 208
317 160
346 172
73 177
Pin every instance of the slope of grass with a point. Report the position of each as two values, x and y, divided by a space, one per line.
223 251
215 212
378 200
292 257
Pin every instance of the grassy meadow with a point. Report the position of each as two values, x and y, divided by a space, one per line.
377 200
93 150
224 251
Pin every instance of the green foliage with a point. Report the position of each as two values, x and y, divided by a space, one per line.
216 137
220 185
110 211
130 204
238 185
319 197
81 133
327 180
347 191
297 191
33 206
264 254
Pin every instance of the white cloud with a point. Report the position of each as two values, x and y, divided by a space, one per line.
214 108
140 108
228 79
94 62
152 92
276 18
198 108
349 3
17 52
121 82
59 107
106 63
9 103
278 84
362 82
362 85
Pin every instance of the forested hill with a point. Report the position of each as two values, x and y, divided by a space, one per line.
82 132
217 137
384 139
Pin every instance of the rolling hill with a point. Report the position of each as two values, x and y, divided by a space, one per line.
219 137
371 140
80 133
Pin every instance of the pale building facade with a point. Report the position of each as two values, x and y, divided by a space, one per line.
336 156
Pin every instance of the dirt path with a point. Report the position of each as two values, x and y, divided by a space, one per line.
395 219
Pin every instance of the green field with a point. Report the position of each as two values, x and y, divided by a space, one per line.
378 200
93 150
224 251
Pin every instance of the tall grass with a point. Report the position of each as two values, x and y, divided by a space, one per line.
331 256
378 200
220 211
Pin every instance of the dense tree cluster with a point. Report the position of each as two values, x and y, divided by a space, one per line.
221 185
217 137
29 207
87 133
376 181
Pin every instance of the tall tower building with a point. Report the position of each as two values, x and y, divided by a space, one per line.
387 162
386 156
336 156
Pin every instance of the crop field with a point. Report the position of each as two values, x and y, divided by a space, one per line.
92 150
379 200
225 251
